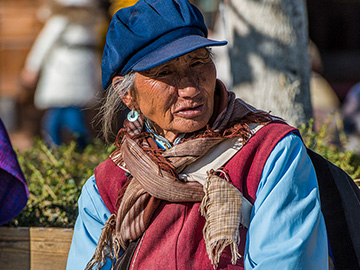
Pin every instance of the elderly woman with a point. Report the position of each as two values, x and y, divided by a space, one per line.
199 179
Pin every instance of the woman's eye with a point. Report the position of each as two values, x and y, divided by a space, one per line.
163 73
196 63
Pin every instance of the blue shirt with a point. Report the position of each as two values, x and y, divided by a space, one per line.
287 229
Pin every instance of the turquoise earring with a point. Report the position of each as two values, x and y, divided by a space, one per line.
132 116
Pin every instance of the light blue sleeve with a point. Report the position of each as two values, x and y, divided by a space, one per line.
93 214
287 229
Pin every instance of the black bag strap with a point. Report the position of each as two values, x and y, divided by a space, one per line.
340 203
124 262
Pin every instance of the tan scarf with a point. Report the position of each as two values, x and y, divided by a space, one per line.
154 177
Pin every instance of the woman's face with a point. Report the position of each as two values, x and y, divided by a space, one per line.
177 96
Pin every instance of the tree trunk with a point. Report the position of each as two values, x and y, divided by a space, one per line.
268 56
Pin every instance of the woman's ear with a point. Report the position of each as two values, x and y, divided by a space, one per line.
127 98
116 79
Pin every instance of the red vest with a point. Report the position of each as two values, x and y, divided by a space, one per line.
174 239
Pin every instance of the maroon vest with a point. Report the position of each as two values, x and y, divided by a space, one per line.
174 239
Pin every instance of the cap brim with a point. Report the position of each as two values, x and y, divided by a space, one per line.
173 50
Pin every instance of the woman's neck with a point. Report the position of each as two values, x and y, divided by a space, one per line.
163 140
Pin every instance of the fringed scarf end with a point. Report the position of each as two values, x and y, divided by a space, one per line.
220 194
215 249
235 255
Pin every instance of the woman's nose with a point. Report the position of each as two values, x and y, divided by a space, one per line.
188 88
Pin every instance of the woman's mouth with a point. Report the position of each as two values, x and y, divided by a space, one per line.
189 112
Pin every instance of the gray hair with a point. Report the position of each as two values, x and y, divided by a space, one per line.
113 104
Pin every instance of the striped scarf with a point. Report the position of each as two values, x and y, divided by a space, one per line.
154 177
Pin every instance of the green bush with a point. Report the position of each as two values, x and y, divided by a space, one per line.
322 143
55 177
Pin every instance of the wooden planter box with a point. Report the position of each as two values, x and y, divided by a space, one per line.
34 248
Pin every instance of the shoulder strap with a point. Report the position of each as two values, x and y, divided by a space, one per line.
123 263
340 204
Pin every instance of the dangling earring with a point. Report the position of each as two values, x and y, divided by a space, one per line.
133 115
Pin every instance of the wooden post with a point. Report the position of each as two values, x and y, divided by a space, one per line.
34 248
14 248
49 248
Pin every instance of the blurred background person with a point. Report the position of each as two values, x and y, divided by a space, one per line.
351 118
325 102
63 63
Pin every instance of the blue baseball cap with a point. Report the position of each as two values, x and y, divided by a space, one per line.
150 33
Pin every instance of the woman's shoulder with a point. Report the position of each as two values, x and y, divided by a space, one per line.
261 143
257 151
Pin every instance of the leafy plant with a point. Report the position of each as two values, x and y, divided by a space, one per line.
322 142
55 177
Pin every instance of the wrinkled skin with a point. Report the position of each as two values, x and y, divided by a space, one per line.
178 96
